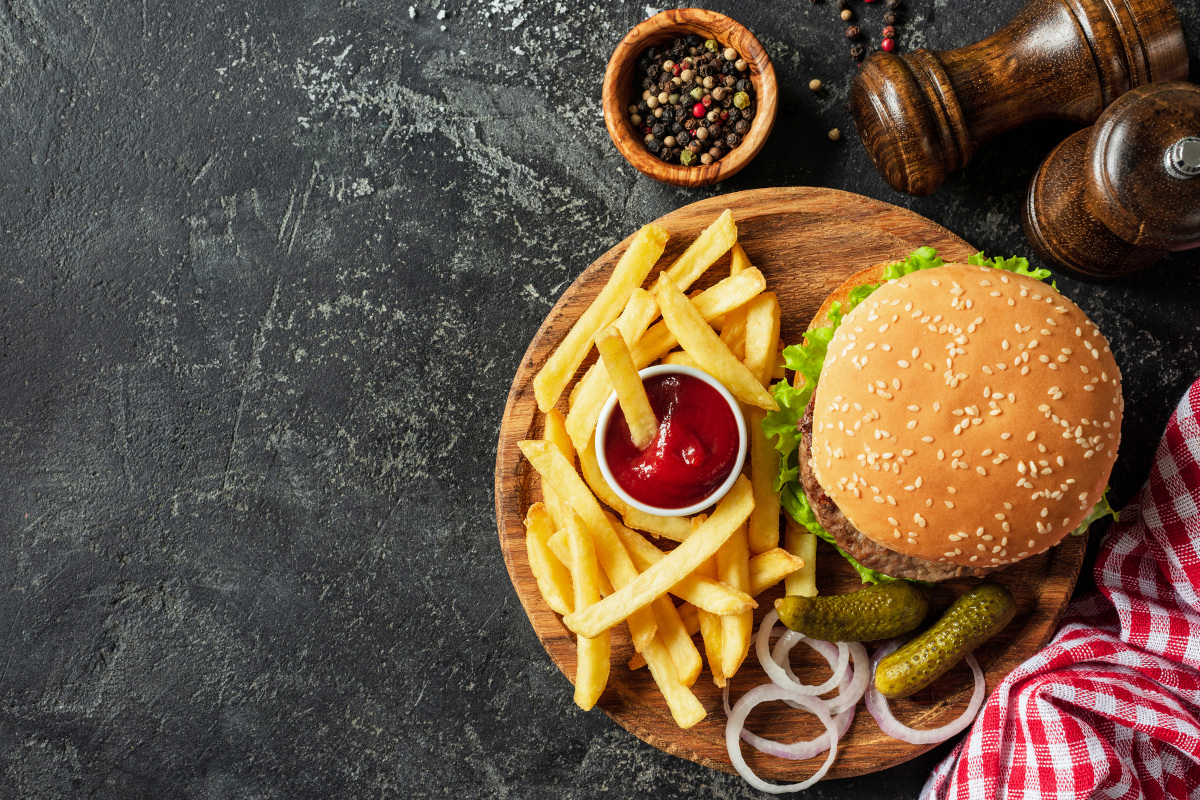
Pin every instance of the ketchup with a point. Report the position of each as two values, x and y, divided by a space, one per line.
691 454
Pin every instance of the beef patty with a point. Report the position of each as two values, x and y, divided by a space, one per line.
863 549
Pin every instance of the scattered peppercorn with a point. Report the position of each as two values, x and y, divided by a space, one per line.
834 134
889 32
843 5
815 84
887 45
890 17
846 15
857 52
893 4
852 32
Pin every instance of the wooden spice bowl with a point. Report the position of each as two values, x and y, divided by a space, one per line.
619 92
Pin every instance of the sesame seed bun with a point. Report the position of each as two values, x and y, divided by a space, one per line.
982 462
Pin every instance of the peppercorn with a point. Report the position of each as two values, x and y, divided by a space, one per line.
889 32
702 133
727 68
691 124
663 98
694 40
740 65
706 159
815 84
741 100
686 158
846 15
843 5
694 147
742 85
741 126
730 54
715 152
657 129
748 113
654 145
708 82
729 81
887 45
852 32
635 119
857 52
669 141
682 137
711 45
733 140
652 53
890 17
718 93
653 71
834 134
735 114
893 4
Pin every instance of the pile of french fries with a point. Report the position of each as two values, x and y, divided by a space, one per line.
598 570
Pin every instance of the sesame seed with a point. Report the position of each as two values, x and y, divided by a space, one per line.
1032 435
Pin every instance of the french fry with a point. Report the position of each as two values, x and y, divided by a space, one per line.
591 671
703 344
679 358
553 579
563 479
635 595
699 590
674 635
803 545
632 268
733 568
555 432
710 629
685 708
631 392
733 327
701 254
674 528
762 343
640 311
764 464
593 389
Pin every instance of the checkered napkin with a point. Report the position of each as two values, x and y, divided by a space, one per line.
1111 707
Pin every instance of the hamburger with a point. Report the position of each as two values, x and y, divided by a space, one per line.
947 420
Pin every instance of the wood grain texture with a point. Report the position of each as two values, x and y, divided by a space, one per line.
924 114
619 89
806 242
1103 203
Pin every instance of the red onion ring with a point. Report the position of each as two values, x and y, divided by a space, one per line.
779 676
877 705
737 722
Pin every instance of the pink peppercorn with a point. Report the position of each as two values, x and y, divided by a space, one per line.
698 110
888 45
724 116
889 32
675 70
707 100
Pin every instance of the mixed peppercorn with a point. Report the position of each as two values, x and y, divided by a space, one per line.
697 101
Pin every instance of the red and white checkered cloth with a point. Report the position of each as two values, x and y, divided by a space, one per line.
1111 707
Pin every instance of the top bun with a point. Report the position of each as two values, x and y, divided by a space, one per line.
966 414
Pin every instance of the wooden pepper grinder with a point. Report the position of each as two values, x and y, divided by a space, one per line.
924 114
1114 198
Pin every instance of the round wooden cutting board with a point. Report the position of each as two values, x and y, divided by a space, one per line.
806 242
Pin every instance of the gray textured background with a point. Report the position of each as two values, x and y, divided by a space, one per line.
268 270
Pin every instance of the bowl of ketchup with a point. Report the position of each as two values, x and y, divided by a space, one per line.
696 453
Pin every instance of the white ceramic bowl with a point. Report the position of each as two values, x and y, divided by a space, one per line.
606 415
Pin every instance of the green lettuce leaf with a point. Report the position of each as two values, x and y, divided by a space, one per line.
1101 510
808 358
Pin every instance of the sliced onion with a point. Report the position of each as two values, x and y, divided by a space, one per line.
878 706
779 676
849 692
737 722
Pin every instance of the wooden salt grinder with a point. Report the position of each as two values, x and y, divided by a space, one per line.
1114 198
924 114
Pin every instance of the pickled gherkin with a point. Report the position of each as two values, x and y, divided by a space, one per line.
875 612
971 620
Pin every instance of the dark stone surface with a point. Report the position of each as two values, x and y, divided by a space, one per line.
268 269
